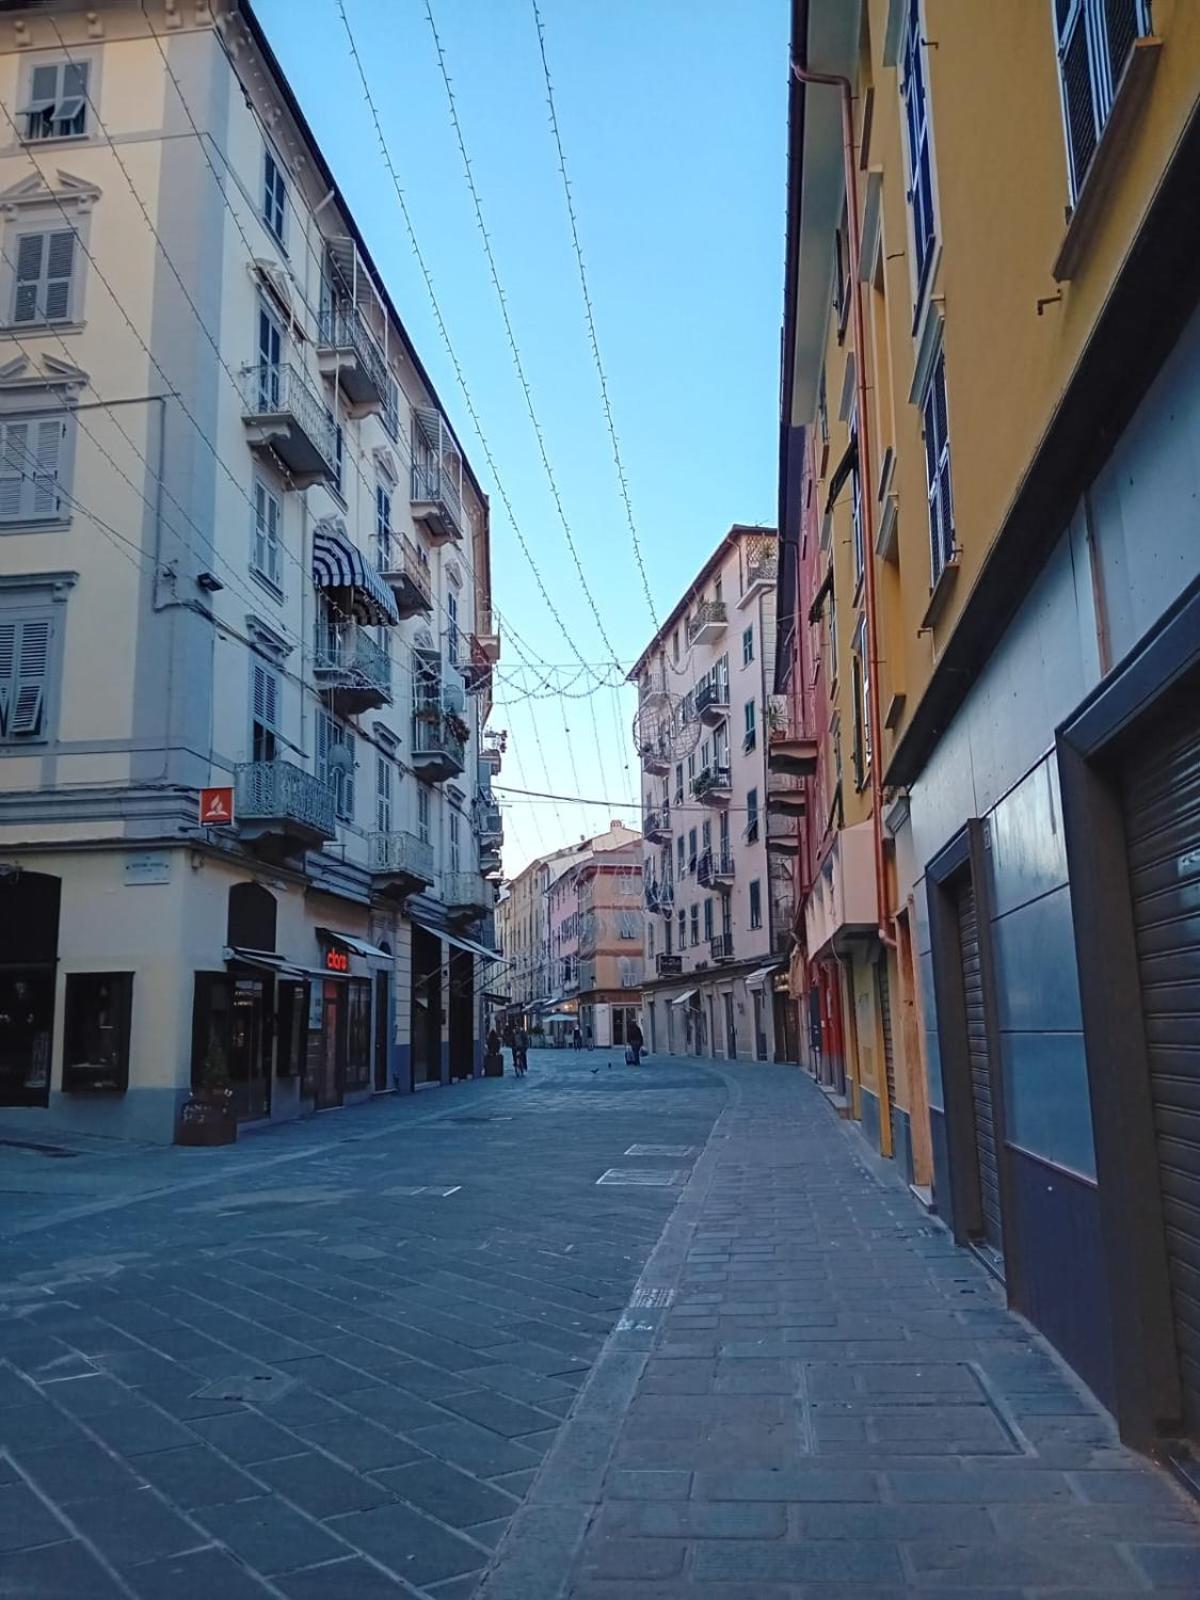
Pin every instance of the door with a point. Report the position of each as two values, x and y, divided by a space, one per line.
983 1111
730 1027
26 1021
1161 797
331 1083
760 1037
270 355
250 1049
383 1030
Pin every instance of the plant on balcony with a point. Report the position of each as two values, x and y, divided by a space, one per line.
775 717
457 727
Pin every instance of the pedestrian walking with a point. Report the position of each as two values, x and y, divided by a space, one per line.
520 1052
577 1039
636 1042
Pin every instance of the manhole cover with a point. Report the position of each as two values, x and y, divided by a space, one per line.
676 1150
643 1178
259 1388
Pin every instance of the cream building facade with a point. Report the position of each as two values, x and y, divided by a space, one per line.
242 550
704 715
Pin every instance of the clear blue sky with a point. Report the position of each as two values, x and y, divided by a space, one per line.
673 118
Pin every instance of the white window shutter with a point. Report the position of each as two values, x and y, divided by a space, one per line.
31 248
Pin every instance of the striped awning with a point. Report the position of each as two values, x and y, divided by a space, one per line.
338 564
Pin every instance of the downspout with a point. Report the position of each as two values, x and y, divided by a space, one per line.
837 81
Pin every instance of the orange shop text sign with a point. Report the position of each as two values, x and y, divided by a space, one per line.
337 961
216 807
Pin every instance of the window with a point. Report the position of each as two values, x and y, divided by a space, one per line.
423 814
264 713
339 453
695 922
748 646
675 646
751 815
24 677
96 1032
681 870
679 783
682 931
383 793
920 157
718 593
856 509
823 410
1095 38
452 627
57 104
708 918
32 462
706 836
831 613
42 288
358 1033
267 554
724 835
383 525
270 357
841 275
750 738
862 706
691 849
335 763
937 472
391 409
756 904
650 940
455 843
274 196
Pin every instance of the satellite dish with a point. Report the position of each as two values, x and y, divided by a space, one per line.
665 727
339 759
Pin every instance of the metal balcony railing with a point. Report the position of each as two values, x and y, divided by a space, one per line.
401 854
343 328
712 696
668 966
435 738
276 389
281 791
656 822
357 660
713 866
707 620
489 821
399 560
762 566
711 779
432 485
721 947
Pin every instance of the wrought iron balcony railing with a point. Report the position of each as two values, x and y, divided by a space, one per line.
280 791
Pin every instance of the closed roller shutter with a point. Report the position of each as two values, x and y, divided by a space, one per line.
1162 828
983 1111
885 1017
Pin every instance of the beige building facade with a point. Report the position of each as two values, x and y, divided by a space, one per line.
242 551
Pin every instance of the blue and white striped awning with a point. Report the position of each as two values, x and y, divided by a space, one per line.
338 564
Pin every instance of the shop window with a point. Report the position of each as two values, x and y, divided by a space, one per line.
292 1030
96 1032
250 922
358 1033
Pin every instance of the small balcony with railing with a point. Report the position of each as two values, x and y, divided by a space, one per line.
713 785
489 821
659 895
720 947
790 749
439 747
783 833
666 966
712 700
655 755
287 419
348 354
483 652
786 794
760 567
278 805
436 477
406 569
400 863
714 869
467 894
656 824
353 670
707 622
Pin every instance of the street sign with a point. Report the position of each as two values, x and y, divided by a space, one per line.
216 807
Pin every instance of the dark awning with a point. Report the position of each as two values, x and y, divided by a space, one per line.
264 961
452 936
355 945
338 564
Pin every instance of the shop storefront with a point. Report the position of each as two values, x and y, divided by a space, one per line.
29 914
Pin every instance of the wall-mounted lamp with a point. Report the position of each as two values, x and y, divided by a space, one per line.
209 582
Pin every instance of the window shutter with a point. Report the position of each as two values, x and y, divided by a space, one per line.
1123 24
13 456
8 673
32 652
266 697
51 431
60 260
31 248
323 747
347 739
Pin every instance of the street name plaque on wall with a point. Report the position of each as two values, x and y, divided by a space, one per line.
143 870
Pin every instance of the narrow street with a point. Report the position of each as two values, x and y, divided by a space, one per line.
598 1333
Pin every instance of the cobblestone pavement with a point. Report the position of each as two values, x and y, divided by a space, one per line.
601 1333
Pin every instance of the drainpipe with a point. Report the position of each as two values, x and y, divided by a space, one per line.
837 81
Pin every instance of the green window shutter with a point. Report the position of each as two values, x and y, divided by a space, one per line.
31 249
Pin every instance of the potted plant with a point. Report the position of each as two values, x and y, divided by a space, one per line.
207 1116
775 717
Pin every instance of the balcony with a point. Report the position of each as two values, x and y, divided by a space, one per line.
489 822
786 794
287 419
655 756
660 897
788 750
721 947
436 477
712 702
439 747
761 568
707 622
406 570
713 786
714 870
354 671
668 966
348 355
483 654
783 833
401 863
656 825
467 894
280 804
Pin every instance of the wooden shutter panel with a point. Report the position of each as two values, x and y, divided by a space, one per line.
13 456
266 697
323 742
49 434
59 263
32 661
31 248
8 672
347 739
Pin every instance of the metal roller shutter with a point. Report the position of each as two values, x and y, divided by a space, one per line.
1162 829
885 1017
980 1068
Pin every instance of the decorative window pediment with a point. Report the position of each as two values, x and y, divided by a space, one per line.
266 639
35 191
22 375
